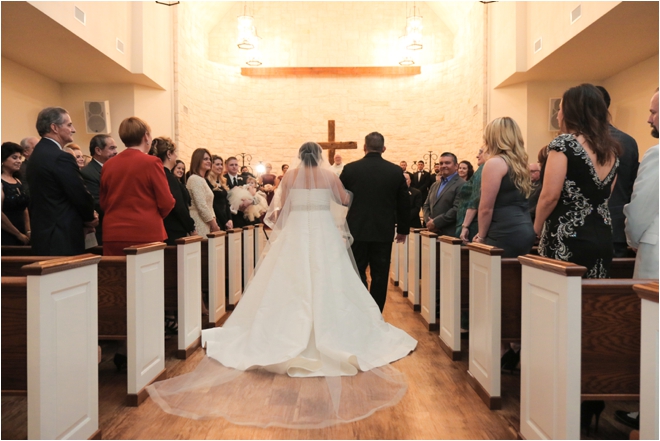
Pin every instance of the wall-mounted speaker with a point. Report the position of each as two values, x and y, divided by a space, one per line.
97 116
553 122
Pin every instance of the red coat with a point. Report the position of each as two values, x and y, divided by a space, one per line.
135 197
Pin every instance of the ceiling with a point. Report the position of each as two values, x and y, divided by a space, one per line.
623 37
48 48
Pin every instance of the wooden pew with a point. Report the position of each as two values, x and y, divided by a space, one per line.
62 350
429 280
450 295
248 254
414 268
580 341
14 335
260 242
394 265
648 400
183 291
234 267
403 265
130 304
214 275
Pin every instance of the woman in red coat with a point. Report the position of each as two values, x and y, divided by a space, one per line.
134 192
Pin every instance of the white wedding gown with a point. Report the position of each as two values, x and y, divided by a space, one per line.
305 314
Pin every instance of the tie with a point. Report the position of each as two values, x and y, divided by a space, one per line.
233 181
443 182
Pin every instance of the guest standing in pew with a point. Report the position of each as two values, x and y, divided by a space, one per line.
102 148
218 185
201 209
465 170
28 147
642 211
61 209
267 182
380 198
439 210
15 216
134 192
535 175
421 180
625 178
180 171
416 203
178 223
285 167
504 220
74 149
572 216
467 202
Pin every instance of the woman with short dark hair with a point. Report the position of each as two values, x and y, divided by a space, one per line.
15 218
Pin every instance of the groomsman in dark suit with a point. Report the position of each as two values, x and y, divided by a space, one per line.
61 208
436 173
380 197
102 148
416 203
234 179
421 180
439 210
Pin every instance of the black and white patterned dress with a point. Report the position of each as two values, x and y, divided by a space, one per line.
579 229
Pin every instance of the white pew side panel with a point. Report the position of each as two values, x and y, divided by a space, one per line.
189 294
450 296
217 276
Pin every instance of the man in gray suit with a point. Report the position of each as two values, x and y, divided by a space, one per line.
102 148
439 210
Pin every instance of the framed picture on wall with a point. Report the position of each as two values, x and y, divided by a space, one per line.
553 122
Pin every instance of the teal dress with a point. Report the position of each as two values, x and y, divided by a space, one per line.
469 197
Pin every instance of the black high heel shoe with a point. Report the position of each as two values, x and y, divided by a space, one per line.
589 409
510 360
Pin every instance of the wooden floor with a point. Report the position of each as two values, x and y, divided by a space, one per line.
439 403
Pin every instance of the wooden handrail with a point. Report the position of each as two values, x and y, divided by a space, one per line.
647 291
555 266
188 239
216 234
144 248
60 264
427 233
488 250
450 240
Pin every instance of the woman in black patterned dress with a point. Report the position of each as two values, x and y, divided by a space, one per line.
572 216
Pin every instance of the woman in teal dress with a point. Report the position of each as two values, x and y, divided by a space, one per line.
468 202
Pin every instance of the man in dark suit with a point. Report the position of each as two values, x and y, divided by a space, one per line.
421 180
61 208
436 173
102 148
234 179
380 197
625 178
439 210
416 203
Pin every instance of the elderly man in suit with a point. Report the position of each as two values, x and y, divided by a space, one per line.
439 210
102 148
61 208
380 197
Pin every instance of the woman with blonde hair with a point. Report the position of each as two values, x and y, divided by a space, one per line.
504 219
201 209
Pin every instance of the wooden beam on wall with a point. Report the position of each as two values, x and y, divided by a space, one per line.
330 71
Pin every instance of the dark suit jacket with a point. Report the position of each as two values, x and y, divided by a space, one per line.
416 203
91 174
59 202
380 197
422 183
178 223
239 181
22 176
442 209
628 164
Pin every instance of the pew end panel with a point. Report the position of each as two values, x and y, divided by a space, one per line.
394 265
648 400
234 267
62 348
550 351
216 249
450 296
403 265
414 268
248 254
145 316
429 263
485 322
112 302
189 295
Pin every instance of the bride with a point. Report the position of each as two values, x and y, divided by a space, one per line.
306 347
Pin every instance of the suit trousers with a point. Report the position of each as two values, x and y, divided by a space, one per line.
376 256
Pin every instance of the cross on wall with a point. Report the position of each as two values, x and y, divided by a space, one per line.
332 145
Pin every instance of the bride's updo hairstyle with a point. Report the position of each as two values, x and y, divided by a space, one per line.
310 154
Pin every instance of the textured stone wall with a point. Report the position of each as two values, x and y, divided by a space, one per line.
218 109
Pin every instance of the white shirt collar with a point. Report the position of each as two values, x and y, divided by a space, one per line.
97 161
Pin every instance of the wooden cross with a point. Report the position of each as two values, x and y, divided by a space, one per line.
331 145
